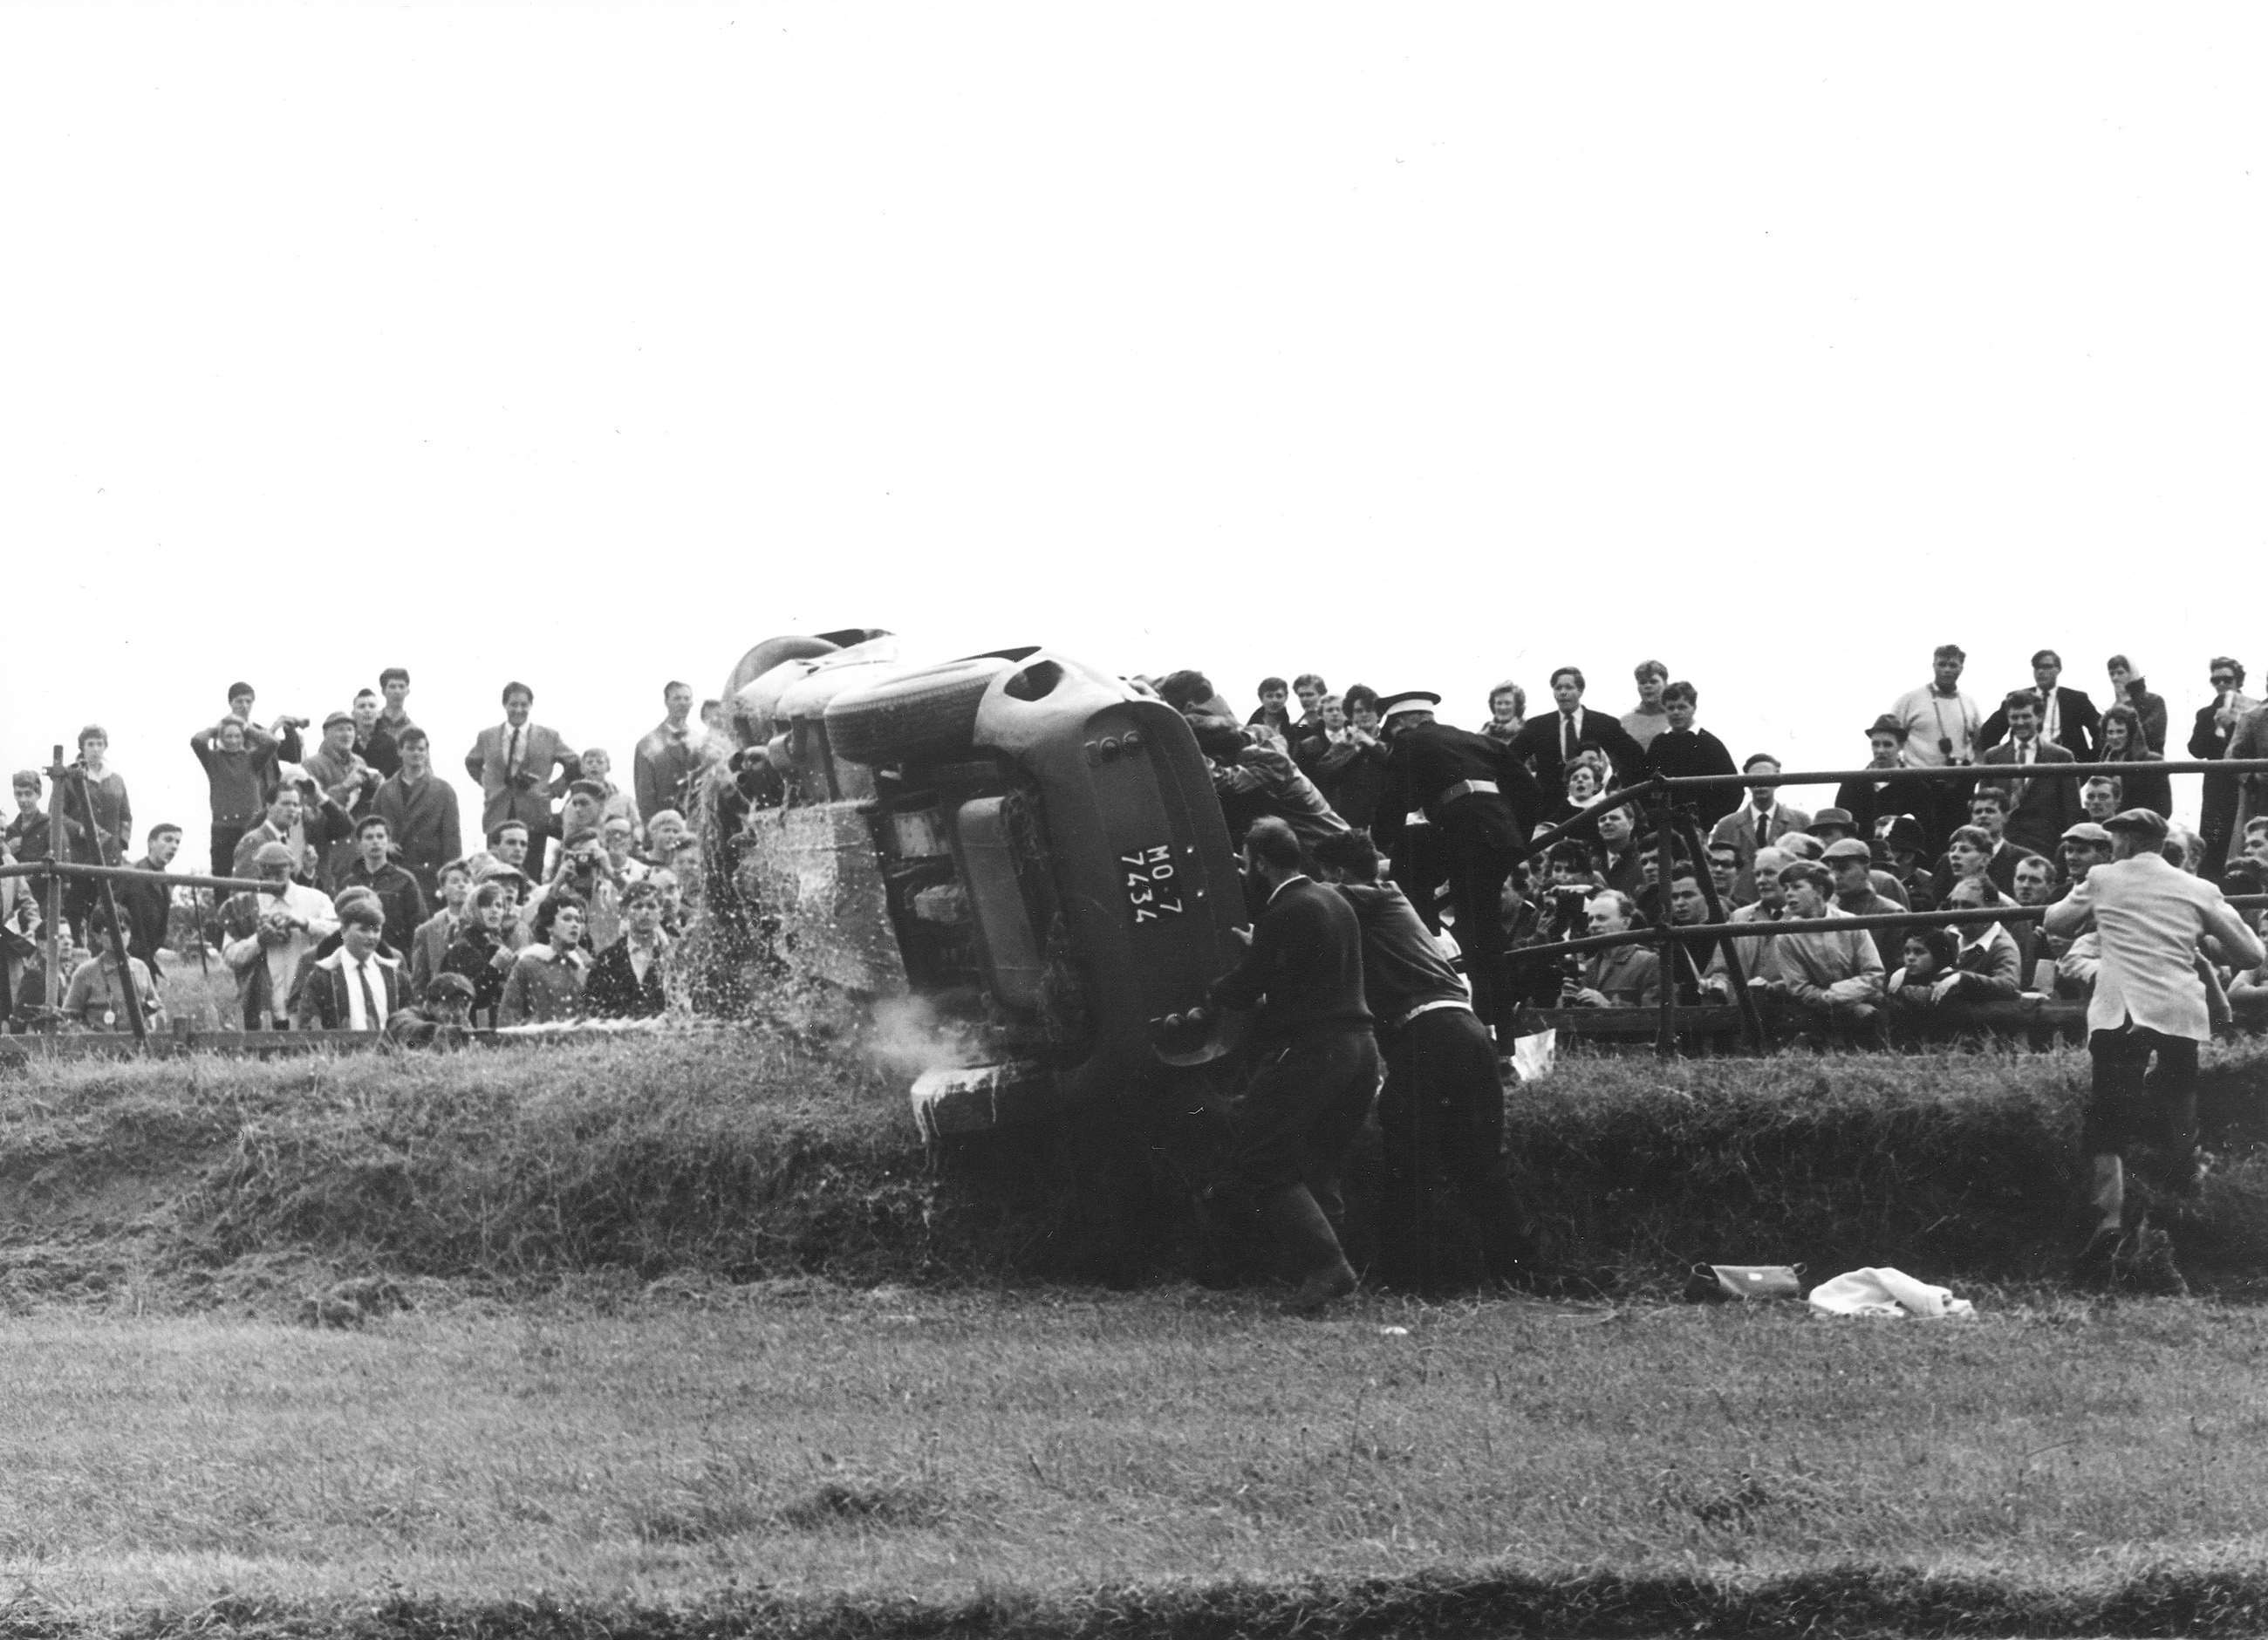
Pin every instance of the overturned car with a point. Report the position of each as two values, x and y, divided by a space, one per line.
1026 848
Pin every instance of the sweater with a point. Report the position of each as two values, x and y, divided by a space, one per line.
1303 975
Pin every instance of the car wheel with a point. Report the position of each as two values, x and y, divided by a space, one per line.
927 713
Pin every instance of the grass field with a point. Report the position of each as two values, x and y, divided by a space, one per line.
821 1443
701 1341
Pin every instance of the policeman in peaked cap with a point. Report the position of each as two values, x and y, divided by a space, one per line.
1478 804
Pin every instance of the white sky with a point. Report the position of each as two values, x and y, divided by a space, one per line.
1417 346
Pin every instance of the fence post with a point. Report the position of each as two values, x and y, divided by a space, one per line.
1752 1023
51 987
1660 813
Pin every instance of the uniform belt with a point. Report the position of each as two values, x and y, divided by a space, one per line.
1397 1022
1467 788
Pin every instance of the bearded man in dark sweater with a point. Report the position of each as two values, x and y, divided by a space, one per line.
1317 1060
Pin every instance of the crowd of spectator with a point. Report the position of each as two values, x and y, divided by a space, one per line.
1326 761
566 901
567 897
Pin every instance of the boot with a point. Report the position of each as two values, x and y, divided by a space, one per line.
1300 1225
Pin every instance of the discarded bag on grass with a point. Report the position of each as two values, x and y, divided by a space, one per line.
1720 1283
1885 1293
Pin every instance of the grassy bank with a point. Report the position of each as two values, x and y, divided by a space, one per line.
825 1454
748 1156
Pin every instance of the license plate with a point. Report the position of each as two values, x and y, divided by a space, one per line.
1151 888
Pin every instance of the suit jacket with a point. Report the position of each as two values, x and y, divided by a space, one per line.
2150 915
323 1004
615 990
542 750
2076 723
2043 808
1738 828
1537 745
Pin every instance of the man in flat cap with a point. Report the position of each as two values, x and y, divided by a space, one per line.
1482 802
2149 1002
269 935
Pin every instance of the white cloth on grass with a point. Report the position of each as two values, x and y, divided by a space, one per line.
1885 1293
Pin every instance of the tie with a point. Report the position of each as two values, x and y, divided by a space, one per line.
1567 738
373 1018
2023 761
511 757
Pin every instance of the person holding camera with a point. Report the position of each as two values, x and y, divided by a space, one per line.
269 935
521 766
1943 726
585 872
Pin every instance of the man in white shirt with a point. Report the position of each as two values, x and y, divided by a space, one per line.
1940 723
280 931
354 989
2149 1000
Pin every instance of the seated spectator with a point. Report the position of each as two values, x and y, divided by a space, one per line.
1832 826
1725 872
30 995
1852 864
430 944
1769 906
442 1022
1252 779
2121 730
354 987
1508 711
2035 886
96 998
628 980
1624 976
479 952
1678 749
663 833
1903 855
1987 966
2101 797
267 936
582 871
1621 862
1928 955
547 978
1698 958
619 838
1830 980
1988 815
1649 717
1584 785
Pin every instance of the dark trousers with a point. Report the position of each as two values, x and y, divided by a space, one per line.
1442 1108
224 839
2133 1102
1299 1113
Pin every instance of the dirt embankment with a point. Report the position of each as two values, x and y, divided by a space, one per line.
745 1155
